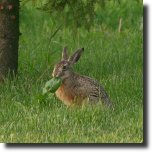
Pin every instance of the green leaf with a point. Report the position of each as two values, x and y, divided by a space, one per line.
52 85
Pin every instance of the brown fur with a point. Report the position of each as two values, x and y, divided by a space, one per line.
77 88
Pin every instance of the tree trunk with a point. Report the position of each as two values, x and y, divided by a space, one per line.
9 37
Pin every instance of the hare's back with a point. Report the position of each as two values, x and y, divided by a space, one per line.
88 87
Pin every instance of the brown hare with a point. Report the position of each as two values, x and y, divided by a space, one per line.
76 88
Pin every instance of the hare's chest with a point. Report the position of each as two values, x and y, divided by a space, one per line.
66 95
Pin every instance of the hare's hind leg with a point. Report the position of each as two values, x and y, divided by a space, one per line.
105 101
93 100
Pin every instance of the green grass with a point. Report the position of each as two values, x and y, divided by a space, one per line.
115 59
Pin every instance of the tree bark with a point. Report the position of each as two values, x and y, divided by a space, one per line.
9 37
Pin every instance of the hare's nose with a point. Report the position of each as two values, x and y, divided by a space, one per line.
54 74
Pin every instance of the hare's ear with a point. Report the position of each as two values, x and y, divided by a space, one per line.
75 56
64 54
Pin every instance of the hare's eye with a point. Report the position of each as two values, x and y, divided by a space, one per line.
64 67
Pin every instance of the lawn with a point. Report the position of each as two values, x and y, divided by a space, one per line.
113 58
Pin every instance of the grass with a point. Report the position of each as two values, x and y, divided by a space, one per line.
113 58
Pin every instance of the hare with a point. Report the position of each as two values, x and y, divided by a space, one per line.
76 88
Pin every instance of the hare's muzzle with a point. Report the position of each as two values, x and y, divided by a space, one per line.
56 73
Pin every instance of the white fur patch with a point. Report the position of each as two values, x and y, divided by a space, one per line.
60 70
